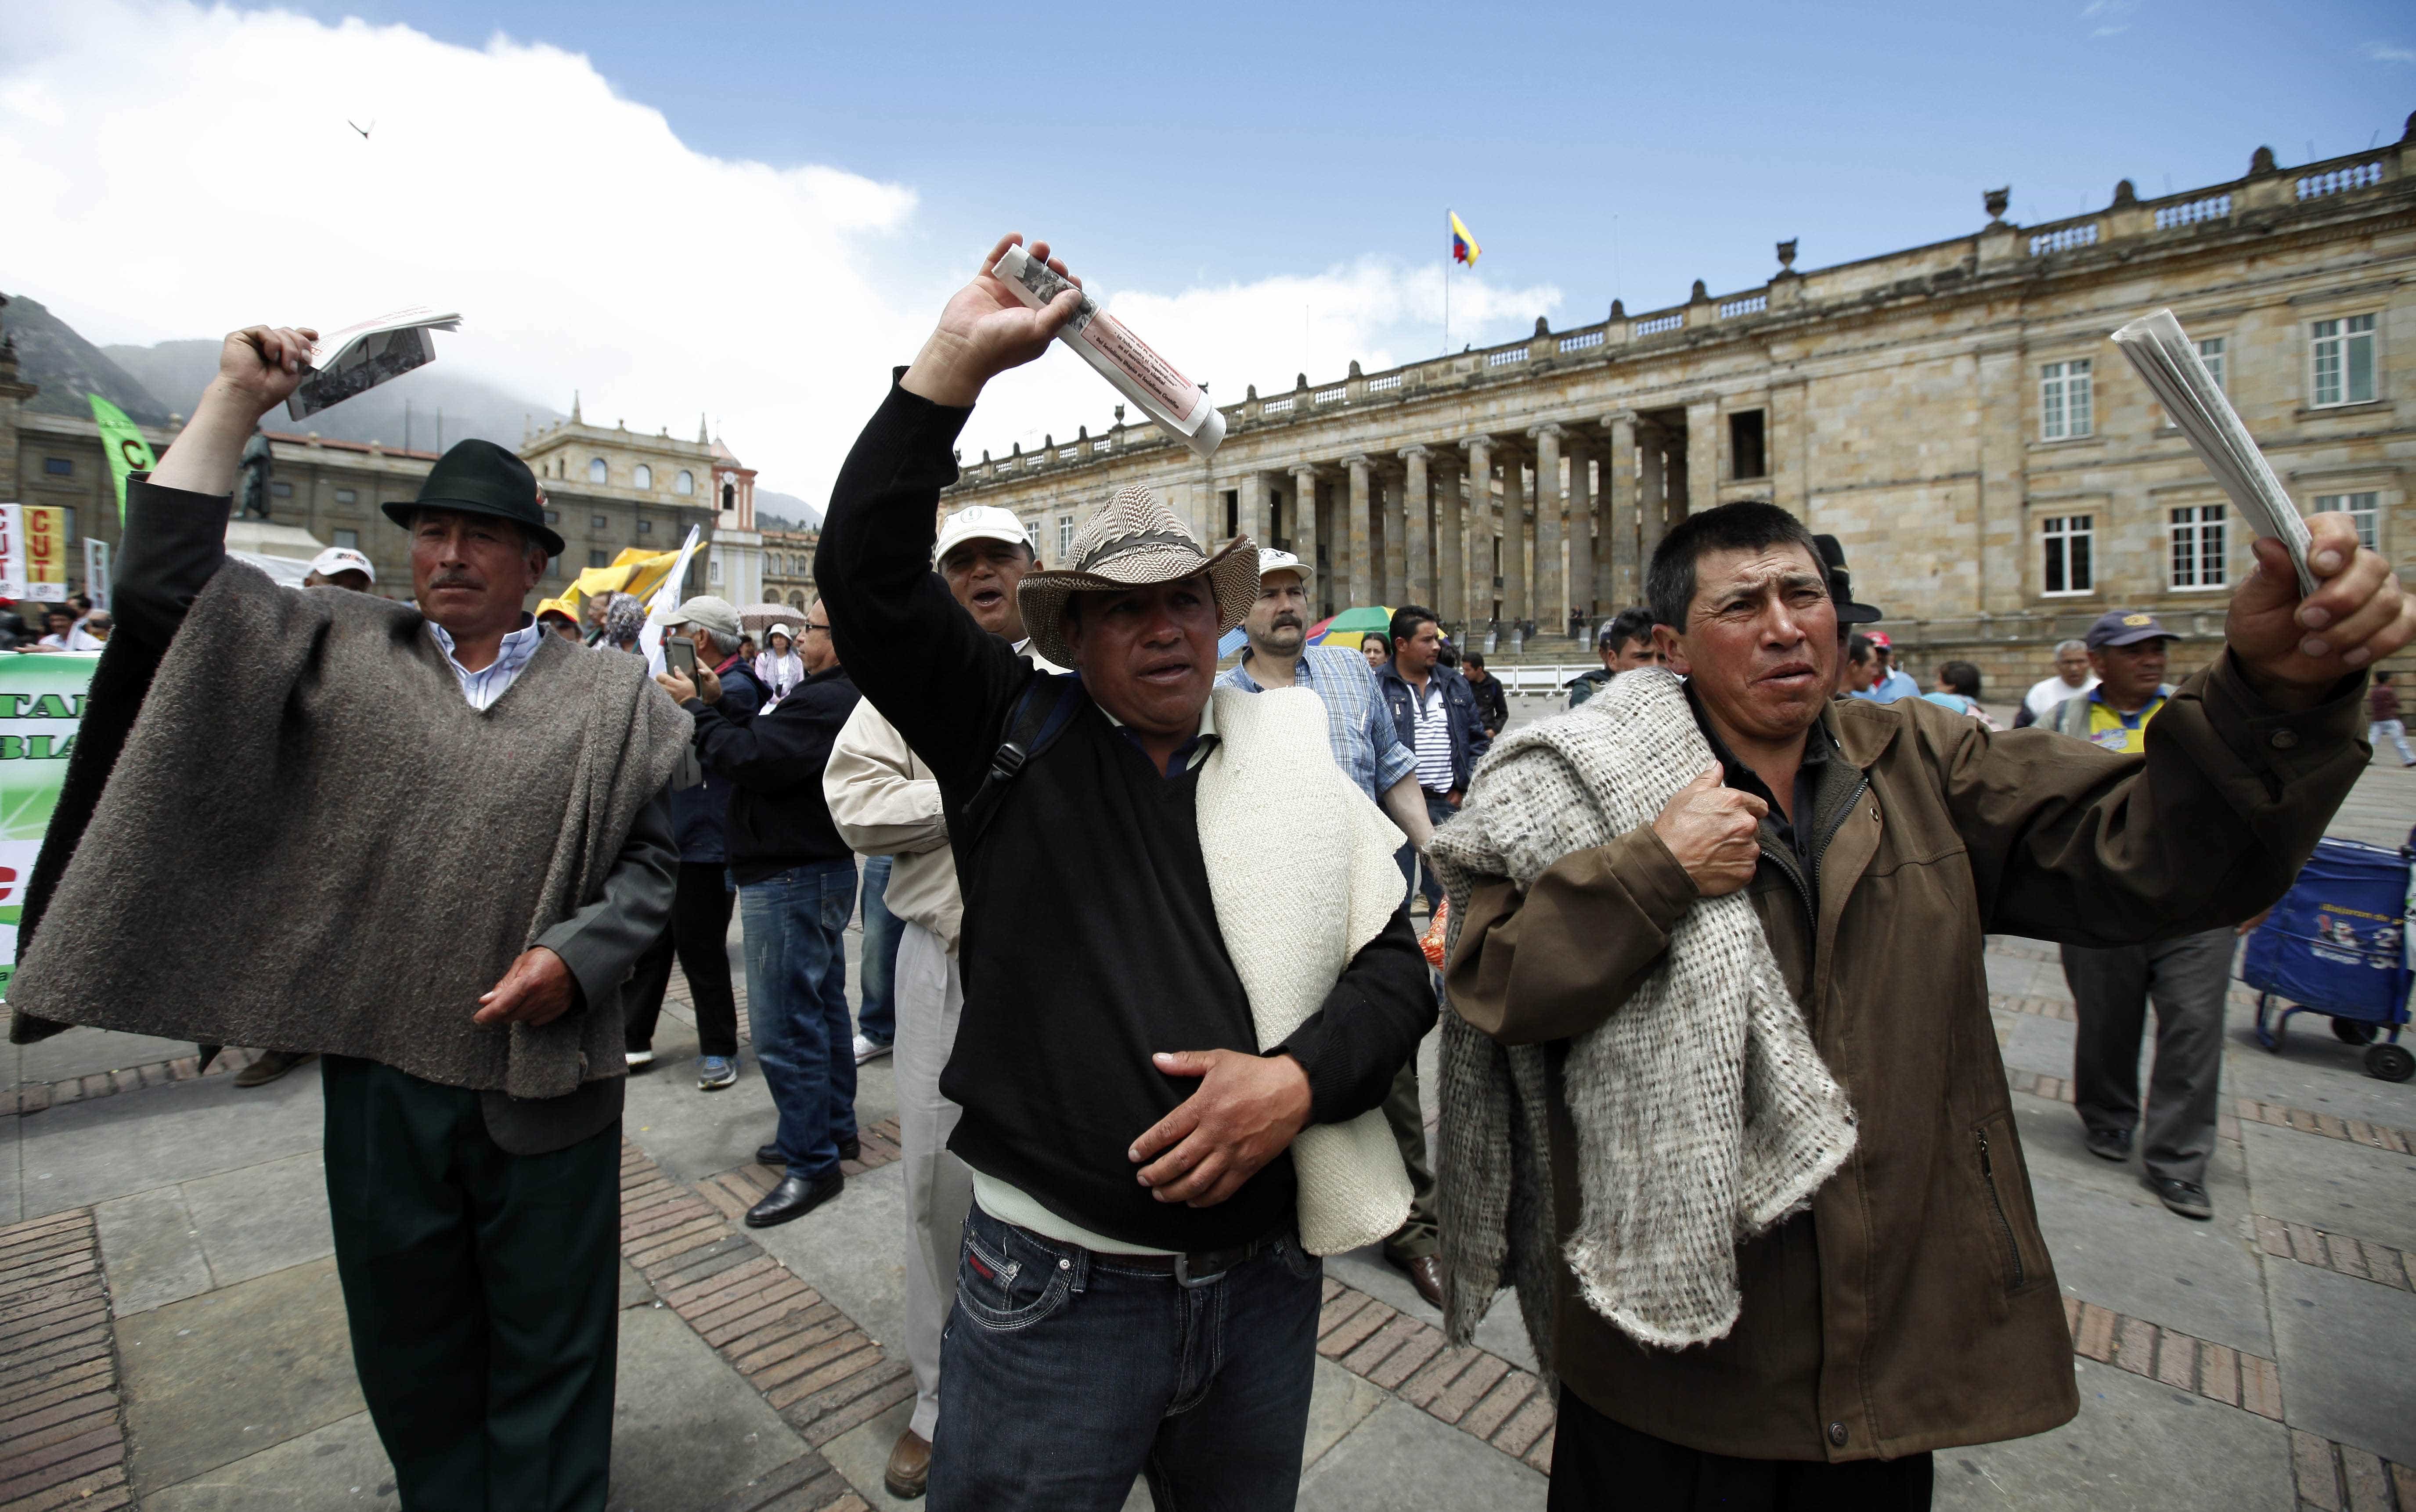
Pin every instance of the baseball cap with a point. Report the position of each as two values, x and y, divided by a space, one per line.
1271 560
707 613
336 559
979 523
1880 638
2124 627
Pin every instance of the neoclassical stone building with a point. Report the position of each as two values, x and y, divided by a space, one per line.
1954 413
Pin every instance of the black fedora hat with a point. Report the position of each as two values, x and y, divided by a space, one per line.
478 477
1841 584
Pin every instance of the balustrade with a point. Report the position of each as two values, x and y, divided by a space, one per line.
2340 180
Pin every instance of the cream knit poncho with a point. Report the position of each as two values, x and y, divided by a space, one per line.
1702 1110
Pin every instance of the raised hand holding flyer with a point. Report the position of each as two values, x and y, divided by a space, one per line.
1120 358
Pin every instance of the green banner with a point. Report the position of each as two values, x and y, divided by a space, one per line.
41 703
122 441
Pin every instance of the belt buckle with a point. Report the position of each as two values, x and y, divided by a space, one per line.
1183 1276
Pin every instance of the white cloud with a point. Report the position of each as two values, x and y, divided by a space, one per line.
2113 17
2385 53
174 170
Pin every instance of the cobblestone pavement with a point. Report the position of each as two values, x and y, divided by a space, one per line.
171 1334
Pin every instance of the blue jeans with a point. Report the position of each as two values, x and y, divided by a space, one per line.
795 926
1064 1376
877 1018
1438 810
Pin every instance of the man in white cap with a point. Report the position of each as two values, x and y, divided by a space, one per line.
1367 746
341 567
1189 978
887 805
699 930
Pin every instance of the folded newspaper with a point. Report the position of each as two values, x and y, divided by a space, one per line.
1120 358
359 357
2169 360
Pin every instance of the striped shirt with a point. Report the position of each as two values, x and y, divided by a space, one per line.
1358 724
1433 735
489 683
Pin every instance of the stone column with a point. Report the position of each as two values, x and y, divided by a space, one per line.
1651 497
1451 538
1516 603
1362 588
1619 512
1417 497
1702 454
1551 604
1582 589
1480 531
1392 494
1307 533
1253 506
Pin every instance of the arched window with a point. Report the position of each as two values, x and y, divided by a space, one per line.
729 496
796 600
643 478
597 471
685 483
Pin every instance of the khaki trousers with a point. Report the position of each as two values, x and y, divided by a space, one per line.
939 1188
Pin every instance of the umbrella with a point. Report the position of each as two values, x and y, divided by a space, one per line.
759 618
1346 629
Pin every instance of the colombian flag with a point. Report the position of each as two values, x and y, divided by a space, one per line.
1463 241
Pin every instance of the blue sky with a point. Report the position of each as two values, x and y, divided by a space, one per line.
753 211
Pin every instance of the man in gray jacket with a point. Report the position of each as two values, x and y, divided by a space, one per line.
444 897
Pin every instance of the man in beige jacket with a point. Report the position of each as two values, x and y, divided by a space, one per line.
885 802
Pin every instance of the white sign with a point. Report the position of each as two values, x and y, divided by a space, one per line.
33 558
96 572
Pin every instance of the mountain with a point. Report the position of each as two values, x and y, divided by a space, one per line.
467 406
68 368
784 511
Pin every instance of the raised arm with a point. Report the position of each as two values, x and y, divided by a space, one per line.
919 657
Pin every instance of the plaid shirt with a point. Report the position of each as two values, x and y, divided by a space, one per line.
1358 726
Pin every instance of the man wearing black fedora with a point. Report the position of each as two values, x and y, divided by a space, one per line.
1188 979
445 834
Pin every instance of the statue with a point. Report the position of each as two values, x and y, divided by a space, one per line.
254 482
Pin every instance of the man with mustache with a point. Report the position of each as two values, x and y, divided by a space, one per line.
1367 748
1188 977
1815 1260
447 833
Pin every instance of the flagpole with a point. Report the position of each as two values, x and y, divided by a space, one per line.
1446 282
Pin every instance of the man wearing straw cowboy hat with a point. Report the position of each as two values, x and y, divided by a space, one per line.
1188 979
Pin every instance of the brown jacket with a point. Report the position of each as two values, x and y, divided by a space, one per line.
1915 1305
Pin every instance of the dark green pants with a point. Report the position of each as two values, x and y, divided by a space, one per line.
482 1291
1418 1237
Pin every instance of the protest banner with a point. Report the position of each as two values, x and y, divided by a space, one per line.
33 553
41 704
122 443
96 572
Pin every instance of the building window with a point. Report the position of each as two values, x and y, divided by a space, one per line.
597 471
729 496
596 521
349 539
2366 509
2198 546
2343 352
281 491
714 576
1232 514
347 496
59 466
2066 541
685 483
1747 456
645 527
1065 537
597 559
643 478
2211 352
554 517
1032 534
2064 400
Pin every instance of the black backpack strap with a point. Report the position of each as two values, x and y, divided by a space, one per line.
1032 726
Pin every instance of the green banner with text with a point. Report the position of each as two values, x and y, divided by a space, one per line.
121 441
41 704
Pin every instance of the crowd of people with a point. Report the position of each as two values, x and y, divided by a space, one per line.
1143 942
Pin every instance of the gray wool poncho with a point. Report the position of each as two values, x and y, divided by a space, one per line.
312 841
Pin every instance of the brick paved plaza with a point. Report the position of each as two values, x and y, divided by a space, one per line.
170 1335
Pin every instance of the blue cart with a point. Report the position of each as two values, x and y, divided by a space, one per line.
2337 944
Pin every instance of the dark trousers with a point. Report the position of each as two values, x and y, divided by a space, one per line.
1439 808
796 1007
876 1016
699 934
2186 979
1602 1466
1063 1377
1405 1114
482 1289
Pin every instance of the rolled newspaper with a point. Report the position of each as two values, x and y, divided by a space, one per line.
1121 359
2169 360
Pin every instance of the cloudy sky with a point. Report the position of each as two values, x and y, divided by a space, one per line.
752 212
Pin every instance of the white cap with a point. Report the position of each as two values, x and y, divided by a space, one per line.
336 559
979 521
1271 560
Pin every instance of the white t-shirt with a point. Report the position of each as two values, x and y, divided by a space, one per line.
2041 700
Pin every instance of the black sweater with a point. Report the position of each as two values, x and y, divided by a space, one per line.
779 818
1090 937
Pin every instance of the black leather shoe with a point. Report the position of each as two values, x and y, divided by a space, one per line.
793 1198
769 1155
2109 1146
2187 1198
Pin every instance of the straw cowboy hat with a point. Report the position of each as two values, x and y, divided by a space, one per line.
1133 542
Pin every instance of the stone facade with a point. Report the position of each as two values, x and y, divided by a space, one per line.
789 567
1954 413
